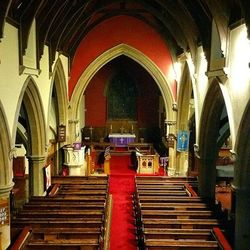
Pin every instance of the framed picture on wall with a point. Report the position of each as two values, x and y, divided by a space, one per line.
61 137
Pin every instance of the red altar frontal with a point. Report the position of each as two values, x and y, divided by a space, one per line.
121 140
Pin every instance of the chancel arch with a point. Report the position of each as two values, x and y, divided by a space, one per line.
141 59
109 55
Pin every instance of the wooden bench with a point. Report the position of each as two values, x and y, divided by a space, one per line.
67 199
185 244
173 206
83 187
176 214
47 213
180 223
57 223
56 244
167 199
177 234
66 233
163 193
82 192
64 206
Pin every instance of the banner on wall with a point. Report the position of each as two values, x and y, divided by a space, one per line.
182 140
47 177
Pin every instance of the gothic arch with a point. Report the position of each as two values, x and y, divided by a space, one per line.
241 182
242 164
123 49
184 98
5 156
185 95
31 99
58 81
208 135
210 121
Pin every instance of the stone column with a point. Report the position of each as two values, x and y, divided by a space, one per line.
5 215
207 175
207 178
242 218
36 175
171 139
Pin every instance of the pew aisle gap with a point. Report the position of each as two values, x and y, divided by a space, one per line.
122 187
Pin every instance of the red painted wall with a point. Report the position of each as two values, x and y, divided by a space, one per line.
148 94
114 31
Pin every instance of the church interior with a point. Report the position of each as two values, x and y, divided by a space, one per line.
124 124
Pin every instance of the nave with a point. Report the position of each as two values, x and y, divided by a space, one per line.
123 211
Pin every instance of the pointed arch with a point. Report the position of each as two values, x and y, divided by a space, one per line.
184 98
210 121
59 83
5 155
242 164
144 61
31 99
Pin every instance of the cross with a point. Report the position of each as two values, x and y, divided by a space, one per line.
183 138
122 128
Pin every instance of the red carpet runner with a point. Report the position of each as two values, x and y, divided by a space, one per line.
122 186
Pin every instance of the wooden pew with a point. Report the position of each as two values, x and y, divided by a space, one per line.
182 244
173 206
79 180
72 218
56 244
68 199
176 214
57 222
177 234
47 213
62 206
166 199
83 187
180 223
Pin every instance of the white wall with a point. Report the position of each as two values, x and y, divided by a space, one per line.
12 84
238 84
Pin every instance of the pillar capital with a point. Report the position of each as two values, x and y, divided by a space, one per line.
36 158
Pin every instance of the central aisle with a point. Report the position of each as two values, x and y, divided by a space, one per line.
122 187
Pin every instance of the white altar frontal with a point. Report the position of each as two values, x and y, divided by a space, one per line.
74 159
121 140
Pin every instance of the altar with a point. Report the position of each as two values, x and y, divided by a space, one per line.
121 140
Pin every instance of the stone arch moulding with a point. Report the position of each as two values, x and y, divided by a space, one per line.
242 163
209 122
58 79
184 94
136 55
31 98
6 154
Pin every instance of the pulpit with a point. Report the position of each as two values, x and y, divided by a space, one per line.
74 159
148 164
121 139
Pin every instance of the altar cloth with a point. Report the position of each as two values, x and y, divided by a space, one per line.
121 140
